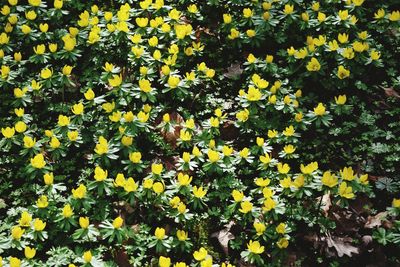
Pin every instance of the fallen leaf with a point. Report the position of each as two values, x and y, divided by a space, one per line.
224 236
342 246
373 221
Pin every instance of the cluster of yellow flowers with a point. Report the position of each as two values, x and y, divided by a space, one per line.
127 127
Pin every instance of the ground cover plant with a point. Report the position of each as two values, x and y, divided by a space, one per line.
199 133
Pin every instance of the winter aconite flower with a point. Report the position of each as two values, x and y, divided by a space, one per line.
255 247
329 179
319 110
343 72
313 65
346 191
159 233
200 254
29 252
117 223
38 161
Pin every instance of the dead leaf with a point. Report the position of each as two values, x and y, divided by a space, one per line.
390 92
224 236
373 221
326 203
233 71
342 245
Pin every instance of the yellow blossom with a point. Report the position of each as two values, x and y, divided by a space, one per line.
329 179
346 191
255 247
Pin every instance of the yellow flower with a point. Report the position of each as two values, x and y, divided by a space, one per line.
145 86
343 37
286 182
58 4
135 157
19 112
130 185
375 55
102 146
281 228
44 27
259 227
5 70
42 202
343 14
38 161
17 56
158 187
67 211
17 232
396 202
394 16
156 168
53 47
253 94
184 179
343 73
100 174
200 254
255 247
79 192
247 12
159 233
363 179
340 100
173 81
29 252
182 235
289 149
313 65
299 181
347 173
288 9
63 120
346 191
269 204
30 15
25 219
213 156
115 81
164 261
46 73
89 94
245 207
379 14
142 22
54 142
237 195
84 222
117 223
234 34
321 17
15 262
127 140
73 135
20 127
77 109
87 256
8 132
283 168
348 53
243 115
69 42
39 225
329 179
282 243
227 18
199 192
244 153
39 49
319 110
